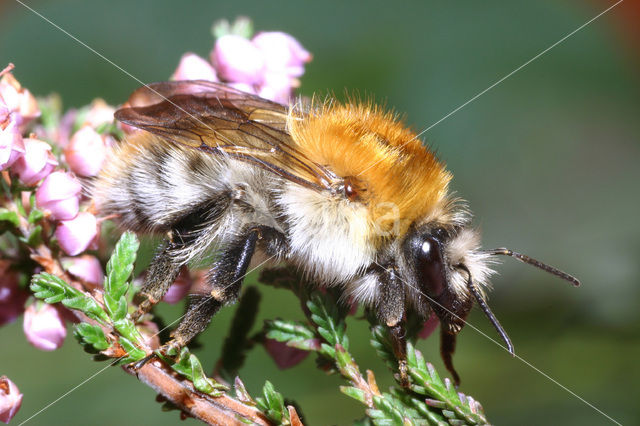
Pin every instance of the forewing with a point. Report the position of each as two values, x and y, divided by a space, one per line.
220 120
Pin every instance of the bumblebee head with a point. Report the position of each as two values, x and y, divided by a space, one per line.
447 272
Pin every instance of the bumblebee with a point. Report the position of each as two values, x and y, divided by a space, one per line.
345 193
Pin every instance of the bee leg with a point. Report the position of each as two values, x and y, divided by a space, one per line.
391 312
447 348
224 279
161 274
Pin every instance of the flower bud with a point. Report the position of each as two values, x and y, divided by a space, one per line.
36 163
276 87
179 288
11 144
86 152
282 53
237 60
75 235
44 327
10 399
193 67
12 297
99 113
18 100
283 355
85 267
59 195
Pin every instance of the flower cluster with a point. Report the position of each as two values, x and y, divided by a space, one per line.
47 158
267 65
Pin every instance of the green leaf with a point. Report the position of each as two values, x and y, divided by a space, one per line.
53 289
120 266
34 238
189 366
93 335
35 215
242 394
293 333
353 392
272 404
9 216
325 315
441 394
133 352
119 269
127 328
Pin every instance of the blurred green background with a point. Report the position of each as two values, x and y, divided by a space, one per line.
548 160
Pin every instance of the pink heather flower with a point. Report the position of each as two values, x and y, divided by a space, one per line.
282 53
36 163
86 152
18 100
193 67
85 267
179 288
44 326
59 195
283 355
10 399
11 143
276 87
429 326
12 297
244 87
75 235
237 60
99 113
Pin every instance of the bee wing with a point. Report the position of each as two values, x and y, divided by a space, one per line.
220 120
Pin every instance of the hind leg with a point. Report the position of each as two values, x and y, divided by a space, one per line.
225 279
162 273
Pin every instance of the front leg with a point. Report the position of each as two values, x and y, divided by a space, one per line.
391 312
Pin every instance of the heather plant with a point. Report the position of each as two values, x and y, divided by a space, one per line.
51 271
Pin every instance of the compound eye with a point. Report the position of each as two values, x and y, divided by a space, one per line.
431 267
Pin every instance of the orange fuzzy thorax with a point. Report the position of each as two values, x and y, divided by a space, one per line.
401 178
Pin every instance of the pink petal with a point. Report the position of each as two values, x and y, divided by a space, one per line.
283 355
99 113
276 87
11 144
237 60
10 399
86 152
179 288
85 267
193 67
12 297
75 235
58 194
282 53
36 163
44 326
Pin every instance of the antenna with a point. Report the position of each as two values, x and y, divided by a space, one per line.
531 261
